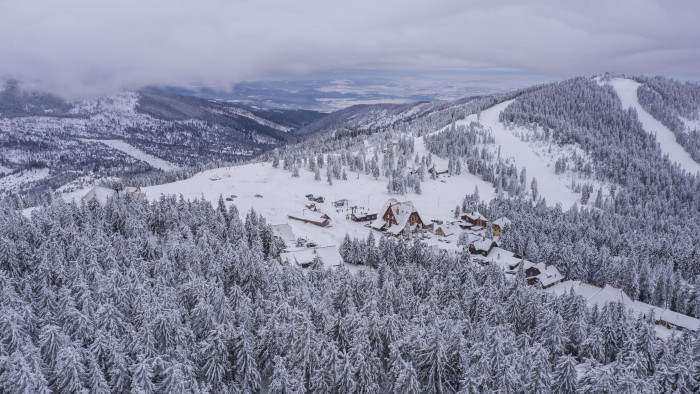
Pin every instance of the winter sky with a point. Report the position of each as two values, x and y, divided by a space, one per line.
81 47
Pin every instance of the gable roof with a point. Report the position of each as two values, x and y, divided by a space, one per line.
284 231
501 222
483 244
595 295
475 215
402 212
328 254
99 194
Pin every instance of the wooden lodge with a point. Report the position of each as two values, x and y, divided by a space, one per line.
363 218
475 218
397 216
482 247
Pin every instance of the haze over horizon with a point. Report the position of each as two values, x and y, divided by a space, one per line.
75 48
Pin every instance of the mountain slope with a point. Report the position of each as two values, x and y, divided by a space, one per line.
42 131
627 91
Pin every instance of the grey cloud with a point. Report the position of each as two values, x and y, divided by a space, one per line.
77 48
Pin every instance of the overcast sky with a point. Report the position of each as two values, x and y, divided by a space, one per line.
91 47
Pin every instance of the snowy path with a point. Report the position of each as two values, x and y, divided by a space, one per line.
627 90
137 154
550 185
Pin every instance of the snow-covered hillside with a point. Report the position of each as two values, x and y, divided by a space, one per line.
137 154
627 90
553 187
283 195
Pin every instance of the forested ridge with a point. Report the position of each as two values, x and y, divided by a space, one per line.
179 296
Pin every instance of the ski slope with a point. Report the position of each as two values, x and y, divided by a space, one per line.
554 188
137 154
627 90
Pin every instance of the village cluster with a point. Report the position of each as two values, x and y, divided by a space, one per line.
470 233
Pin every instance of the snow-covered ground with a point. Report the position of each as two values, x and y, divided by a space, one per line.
282 194
555 188
690 124
627 90
11 182
137 154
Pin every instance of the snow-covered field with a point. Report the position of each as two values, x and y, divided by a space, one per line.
282 194
555 188
627 90
10 182
137 154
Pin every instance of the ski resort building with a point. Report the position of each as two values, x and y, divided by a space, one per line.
498 225
363 218
446 229
546 275
284 232
99 194
329 255
599 296
398 216
475 218
318 218
482 246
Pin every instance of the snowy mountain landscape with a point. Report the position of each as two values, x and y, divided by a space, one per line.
380 197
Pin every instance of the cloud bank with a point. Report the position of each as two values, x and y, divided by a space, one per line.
80 47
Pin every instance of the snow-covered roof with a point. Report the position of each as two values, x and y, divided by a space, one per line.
328 254
501 222
378 224
284 231
402 212
503 258
611 294
548 273
310 215
482 244
100 194
475 215
599 296
449 228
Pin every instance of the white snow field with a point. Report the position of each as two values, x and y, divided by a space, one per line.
283 194
553 187
10 182
627 90
137 154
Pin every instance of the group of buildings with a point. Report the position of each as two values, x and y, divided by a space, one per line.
468 234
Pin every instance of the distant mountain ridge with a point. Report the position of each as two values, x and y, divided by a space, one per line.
39 130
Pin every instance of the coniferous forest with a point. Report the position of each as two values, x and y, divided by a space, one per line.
178 296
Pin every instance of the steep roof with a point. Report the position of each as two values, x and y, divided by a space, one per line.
482 244
475 215
284 231
328 254
501 222
99 194
548 273
599 296
402 212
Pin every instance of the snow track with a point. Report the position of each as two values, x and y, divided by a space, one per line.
137 154
627 90
550 185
